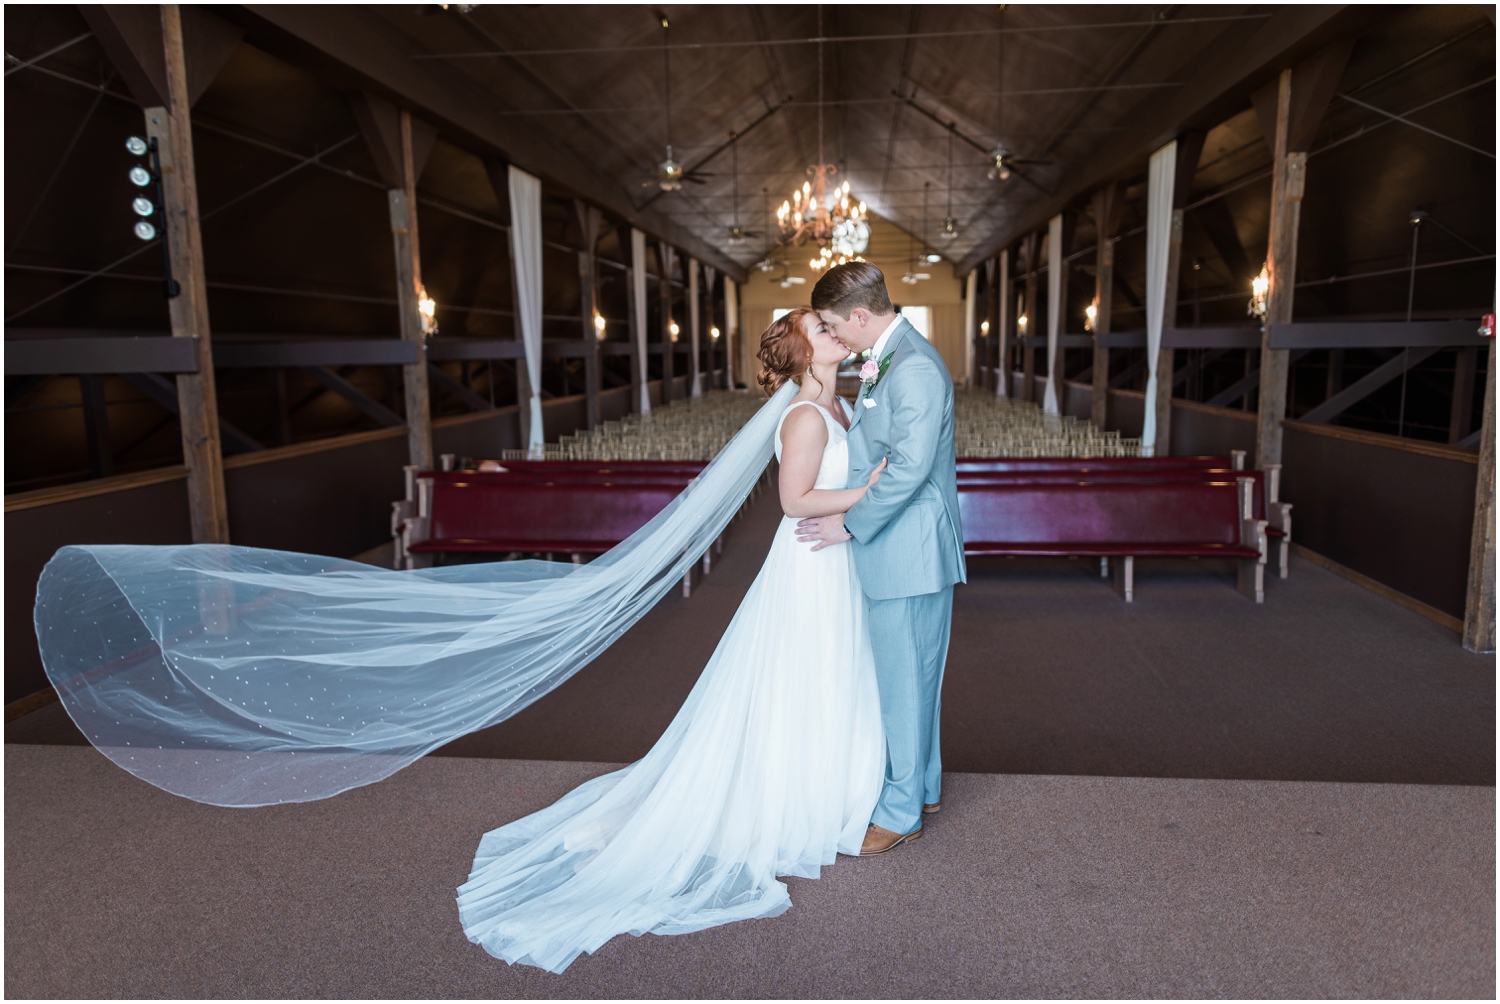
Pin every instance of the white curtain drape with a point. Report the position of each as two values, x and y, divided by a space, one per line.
526 252
731 327
1055 310
1158 235
638 283
696 385
970 290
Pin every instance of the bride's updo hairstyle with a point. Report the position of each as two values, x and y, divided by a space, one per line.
785 351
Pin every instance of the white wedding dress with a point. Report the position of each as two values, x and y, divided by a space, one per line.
772 767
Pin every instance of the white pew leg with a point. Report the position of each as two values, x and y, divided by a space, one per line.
1103 568
687 583
1125 577
1284 557
1252 579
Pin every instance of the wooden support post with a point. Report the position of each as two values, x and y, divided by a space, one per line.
403 203
667 262
1461 415
637 357
1289 171
1001 315
1106 217
1289 112
198 407
590 220
96 425
695 381
1031 245
399 147
586 309
1189 149
1479 606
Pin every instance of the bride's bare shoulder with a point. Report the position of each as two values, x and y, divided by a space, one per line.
804 427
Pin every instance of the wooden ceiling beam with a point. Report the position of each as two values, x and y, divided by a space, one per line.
1218 81
362 46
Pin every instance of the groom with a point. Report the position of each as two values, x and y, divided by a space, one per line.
908 545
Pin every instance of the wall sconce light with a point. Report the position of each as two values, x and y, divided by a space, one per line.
1090 315
1260 288
427 307
674 329
984 327
599 325
1021 323
713 333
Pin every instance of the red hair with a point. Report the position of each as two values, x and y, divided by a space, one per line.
785 353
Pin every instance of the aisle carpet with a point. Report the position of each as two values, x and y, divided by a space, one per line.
1022 887
1051 673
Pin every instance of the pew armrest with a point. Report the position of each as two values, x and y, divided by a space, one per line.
1253 535
1279 515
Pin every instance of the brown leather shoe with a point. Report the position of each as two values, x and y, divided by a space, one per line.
932 807
878 840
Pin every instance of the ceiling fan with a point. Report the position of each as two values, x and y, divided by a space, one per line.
669 173
737 233
1001 158
912 276
787 281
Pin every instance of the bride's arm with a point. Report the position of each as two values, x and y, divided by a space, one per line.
803 437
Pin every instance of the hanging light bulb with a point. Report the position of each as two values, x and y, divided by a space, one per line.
599 325
713 332
1260 287
427 307
1090 315
674 330
984 327
999 163
1021 323
950 228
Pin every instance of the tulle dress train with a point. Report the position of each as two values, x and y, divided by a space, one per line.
771 768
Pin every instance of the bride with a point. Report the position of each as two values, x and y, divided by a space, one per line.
772 767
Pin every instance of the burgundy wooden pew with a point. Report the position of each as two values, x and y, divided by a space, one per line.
1119 522
548 507
1268 506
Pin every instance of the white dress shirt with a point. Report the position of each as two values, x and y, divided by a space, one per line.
884 337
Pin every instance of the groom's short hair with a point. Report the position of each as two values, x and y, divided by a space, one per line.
852 284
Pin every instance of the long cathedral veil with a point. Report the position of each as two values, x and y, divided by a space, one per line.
241 677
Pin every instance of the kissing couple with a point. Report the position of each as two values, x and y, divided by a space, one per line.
813 730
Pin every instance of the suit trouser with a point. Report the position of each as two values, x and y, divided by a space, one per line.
910 639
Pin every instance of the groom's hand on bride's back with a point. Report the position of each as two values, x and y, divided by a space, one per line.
820 531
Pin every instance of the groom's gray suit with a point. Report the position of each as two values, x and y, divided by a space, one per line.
908 547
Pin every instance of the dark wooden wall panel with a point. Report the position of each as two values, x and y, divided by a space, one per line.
152 514
1400 517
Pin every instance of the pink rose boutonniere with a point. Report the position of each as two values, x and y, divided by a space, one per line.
869 375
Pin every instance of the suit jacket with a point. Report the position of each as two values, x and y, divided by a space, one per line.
907 536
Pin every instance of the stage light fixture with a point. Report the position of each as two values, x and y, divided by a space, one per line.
137 146
145 231
142 207
140 176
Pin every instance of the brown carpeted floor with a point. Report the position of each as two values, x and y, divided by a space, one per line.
1022 887
1049 672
